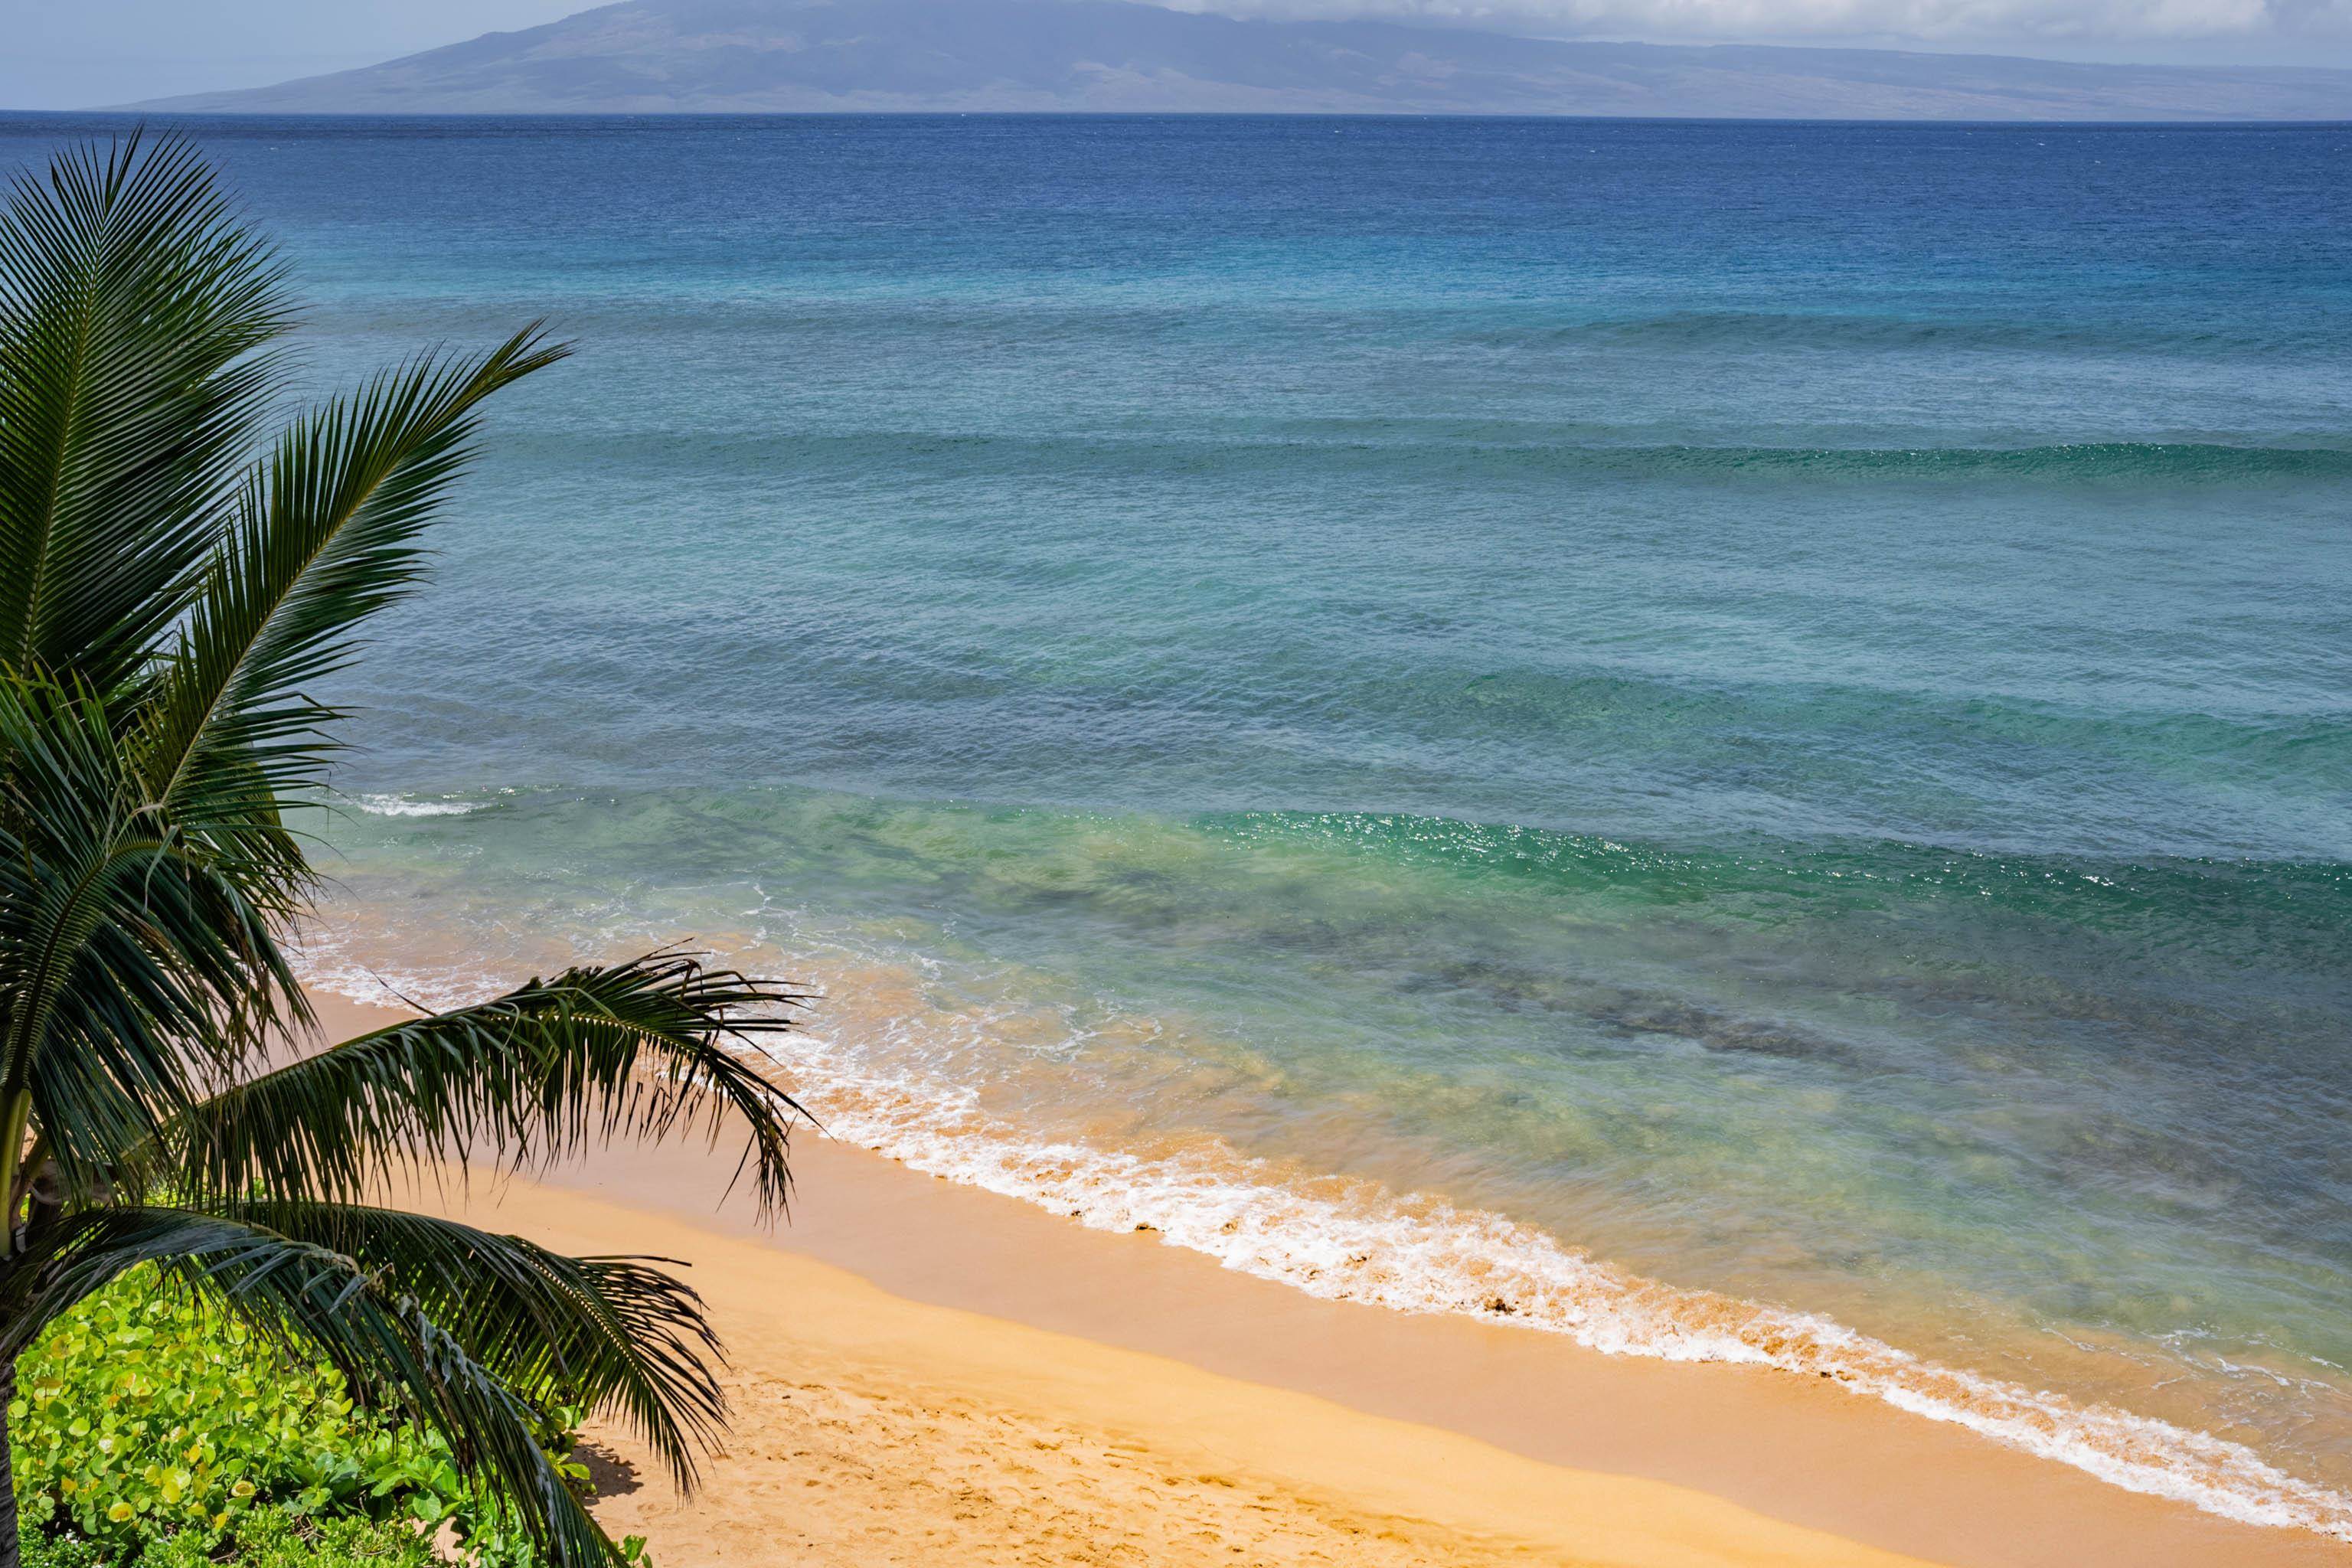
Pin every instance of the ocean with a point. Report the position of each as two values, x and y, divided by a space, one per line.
1732 741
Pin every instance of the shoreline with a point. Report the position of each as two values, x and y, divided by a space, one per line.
1777 1452
943 1435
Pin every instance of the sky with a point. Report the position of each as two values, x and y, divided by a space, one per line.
61 54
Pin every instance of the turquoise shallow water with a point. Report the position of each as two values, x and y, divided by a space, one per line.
1757 714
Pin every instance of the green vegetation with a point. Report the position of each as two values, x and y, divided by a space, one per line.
145 1418
139 1414
176 579
268 1540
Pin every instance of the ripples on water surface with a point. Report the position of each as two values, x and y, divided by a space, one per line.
1630 720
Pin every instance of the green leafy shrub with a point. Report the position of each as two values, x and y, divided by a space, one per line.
148 1429
139 1414
266 1539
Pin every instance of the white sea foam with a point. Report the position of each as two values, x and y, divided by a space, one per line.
405 806
1355 1240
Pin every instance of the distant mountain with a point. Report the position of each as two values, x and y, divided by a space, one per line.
651 56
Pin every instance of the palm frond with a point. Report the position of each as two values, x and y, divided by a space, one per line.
635 1049
305 1294
131 303
126 963
614 1334
325 535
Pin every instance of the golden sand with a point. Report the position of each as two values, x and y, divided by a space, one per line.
872 1429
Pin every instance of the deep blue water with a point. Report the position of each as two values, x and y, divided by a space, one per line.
1772 701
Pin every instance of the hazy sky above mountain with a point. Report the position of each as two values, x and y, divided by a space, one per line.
62 53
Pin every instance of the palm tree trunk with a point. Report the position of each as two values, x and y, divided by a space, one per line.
10 1554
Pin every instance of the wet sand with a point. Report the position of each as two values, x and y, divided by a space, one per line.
928 1373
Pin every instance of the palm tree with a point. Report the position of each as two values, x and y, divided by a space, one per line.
174 583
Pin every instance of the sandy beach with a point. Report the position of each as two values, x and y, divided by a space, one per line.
876 1429
927 1373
